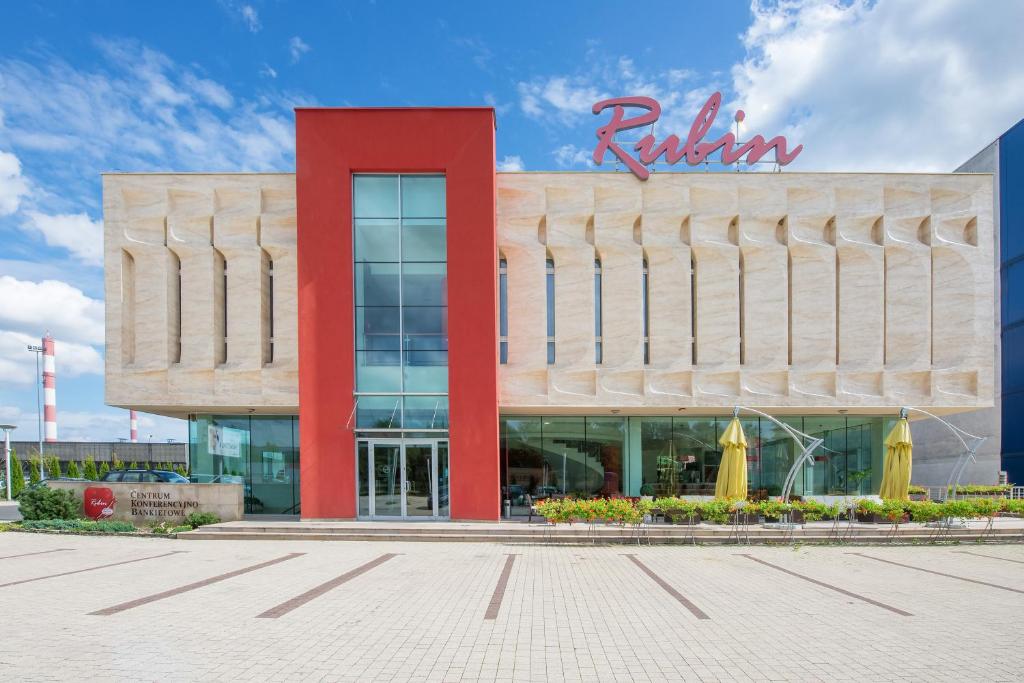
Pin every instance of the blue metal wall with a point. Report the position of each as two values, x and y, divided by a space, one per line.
1011 237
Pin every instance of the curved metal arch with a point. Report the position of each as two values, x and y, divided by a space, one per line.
805 442
962 435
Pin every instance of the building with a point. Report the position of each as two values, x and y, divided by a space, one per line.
1004 158
452 338
105 451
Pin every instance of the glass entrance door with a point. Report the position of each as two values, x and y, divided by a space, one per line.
402 479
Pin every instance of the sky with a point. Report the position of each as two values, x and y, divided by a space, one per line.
88 87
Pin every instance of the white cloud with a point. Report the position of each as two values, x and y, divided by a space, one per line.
566 98
882 85
251 18
18 365
13 186
77 233
569 155
511 163
297 47
35 307
139 110
268 71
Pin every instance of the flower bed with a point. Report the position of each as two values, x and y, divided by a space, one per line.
682 511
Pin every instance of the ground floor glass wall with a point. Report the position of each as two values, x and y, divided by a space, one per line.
543 456
259 451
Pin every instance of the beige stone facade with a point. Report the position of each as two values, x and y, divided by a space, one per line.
801 292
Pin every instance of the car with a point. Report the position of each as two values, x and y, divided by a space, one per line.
43 482
145 476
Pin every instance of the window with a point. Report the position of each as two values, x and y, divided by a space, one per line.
174 306
267 306
550 270
646 314
502 311
220 287
401 300
598 351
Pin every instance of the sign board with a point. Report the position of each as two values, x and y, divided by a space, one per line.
149 503
225 441
693 151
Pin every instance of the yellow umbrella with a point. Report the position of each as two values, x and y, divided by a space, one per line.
732 473
898 449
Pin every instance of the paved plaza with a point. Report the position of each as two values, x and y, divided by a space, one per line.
105 608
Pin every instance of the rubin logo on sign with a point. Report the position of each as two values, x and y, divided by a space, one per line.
694 150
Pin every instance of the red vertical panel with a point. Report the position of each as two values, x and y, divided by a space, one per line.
331 144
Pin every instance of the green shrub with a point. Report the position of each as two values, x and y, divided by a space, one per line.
925 511
52 465
986 507
917 490
118 463
180 469
1013 506
47 503
715 511
89 470
17 476
104 469
958 508
104 526
198 519
814 510
73 470
133 466
34 468
983 489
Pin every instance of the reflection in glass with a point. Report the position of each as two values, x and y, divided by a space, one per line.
419 495
376 240
363 467
423 240
387 480
426 412
379 412
375 196
423 196
424 284
377 284
442 479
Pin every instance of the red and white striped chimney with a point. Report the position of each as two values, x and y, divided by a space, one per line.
134 422
49 390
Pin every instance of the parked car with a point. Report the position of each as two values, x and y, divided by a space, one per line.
144 476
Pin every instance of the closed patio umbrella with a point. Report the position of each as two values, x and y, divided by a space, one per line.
732 473
898 455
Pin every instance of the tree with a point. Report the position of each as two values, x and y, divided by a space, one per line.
104 468
52 464
34 468
133 466
73 470
89 471
118 463
17 476
180 469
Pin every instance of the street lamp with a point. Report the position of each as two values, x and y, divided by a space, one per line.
7 456
38 350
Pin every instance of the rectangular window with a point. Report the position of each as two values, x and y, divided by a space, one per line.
174 306
646 314
401 300
598 350
550 270
220 286
503 311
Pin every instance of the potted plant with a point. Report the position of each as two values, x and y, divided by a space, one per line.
869 511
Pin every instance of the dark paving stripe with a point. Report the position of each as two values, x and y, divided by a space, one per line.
932 571
697 611
90 569
830 586
499 591
107 611
964 552
313 593
38 552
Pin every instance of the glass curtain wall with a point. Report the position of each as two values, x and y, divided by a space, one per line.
543 456
554 456
261 452
401 302
681 456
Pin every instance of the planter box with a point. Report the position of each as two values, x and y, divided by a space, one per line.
679 517
879 519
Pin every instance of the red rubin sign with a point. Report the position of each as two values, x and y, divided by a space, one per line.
98 502
694 151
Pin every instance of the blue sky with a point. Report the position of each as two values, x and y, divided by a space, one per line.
87 87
